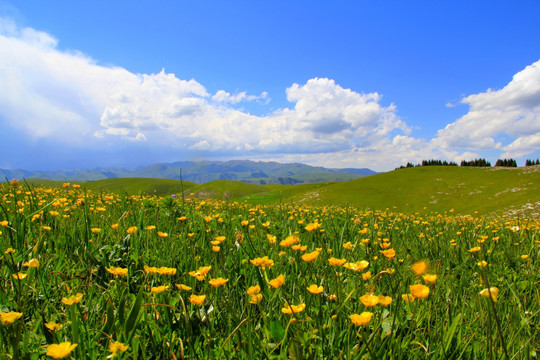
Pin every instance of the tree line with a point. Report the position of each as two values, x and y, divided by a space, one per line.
474 163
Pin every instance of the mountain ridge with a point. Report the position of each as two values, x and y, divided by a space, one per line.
255 172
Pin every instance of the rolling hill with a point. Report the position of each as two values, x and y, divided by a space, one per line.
466 190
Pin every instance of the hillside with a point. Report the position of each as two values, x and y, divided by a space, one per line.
438 188
132 186
467 190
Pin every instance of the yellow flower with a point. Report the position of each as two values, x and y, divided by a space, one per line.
182 218
116 346
255 298
312 226
482 263
336 262
9 251
314 289
253 290
407 297
218 282
19 276
357 266
4 223
271 238
46 228
290 240
117 271
384 301
524 256
33 263
289 309
166 271
494 293
277 282
73 299
429 278
475 249
200 274
162 234
114 226
312 256
60 351
366 275
419 267
369 300
158 289
183 287
53 326
9 317
390 253
95 230
197 299
244 223
131 230
419 291
216 248
348 245
264 262
362 319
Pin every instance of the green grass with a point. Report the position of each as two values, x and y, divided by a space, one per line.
78 239
466 190
132 186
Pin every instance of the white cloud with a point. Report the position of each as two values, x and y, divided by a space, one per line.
223 96
512 112
69 98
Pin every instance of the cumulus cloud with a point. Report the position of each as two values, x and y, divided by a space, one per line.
69 97
512 112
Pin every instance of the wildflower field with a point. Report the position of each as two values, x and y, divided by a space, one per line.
93 275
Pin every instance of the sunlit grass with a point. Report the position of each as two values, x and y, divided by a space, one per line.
101 274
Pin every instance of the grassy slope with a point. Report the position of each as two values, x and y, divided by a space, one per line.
437 188
132 186
421 189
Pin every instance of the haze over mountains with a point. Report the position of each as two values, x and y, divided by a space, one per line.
256 172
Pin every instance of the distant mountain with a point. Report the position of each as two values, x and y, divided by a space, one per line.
255 172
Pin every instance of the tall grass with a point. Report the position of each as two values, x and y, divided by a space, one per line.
64 252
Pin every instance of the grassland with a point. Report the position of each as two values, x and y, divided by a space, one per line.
93 275
465 190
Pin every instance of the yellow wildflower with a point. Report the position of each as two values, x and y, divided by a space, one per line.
9 317
369 300
197 299
162 234
118 271
429 278
362 319
51 325
314 289
183 287
60 351
159 289
253 290
32 263
116 346
312 256
494 293
218 282
336 262
289 309
132 230
255 298
277 282
419 291
73 299
419 267
384 301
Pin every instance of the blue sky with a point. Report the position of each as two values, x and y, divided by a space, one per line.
337 84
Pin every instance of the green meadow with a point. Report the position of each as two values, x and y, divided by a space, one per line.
416 263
